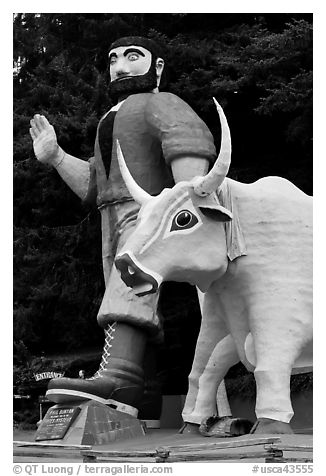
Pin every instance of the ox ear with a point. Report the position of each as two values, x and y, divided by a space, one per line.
216 212
211 207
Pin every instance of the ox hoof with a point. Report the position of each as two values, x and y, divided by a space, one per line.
189 428
222 427
267 426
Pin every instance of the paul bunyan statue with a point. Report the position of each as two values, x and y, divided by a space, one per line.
247 247
164 142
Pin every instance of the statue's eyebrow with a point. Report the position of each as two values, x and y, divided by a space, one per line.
133 50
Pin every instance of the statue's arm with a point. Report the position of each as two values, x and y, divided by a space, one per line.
186 168
188 146
75 172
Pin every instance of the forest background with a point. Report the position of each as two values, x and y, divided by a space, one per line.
258 66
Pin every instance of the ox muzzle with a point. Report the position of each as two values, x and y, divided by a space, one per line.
135 277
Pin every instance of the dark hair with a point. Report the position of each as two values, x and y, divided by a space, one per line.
147 43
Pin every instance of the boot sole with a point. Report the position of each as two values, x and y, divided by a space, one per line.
65 396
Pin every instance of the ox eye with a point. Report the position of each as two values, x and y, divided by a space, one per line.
183 220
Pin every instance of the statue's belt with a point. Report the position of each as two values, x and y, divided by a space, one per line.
114 202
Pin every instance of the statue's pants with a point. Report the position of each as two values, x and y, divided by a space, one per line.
120 304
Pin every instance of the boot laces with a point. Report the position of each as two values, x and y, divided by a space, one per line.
109 336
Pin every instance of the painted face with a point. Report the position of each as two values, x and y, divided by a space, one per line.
175 241
129 61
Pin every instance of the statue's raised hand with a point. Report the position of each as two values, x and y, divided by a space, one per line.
45 143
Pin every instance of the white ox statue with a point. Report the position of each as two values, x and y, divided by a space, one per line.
248 247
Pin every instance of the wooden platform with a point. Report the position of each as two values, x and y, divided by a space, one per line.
168 446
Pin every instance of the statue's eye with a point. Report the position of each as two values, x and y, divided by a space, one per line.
133 57
183 220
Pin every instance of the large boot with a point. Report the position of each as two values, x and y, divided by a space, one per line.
119 382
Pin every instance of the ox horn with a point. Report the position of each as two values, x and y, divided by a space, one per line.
137 193
213 180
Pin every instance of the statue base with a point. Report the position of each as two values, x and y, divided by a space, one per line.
87 423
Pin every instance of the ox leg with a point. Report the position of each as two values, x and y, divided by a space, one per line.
222 401
276 347
273 404
215 353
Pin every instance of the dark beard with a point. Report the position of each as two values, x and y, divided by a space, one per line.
133 85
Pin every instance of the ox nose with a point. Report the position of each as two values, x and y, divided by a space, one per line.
134 277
